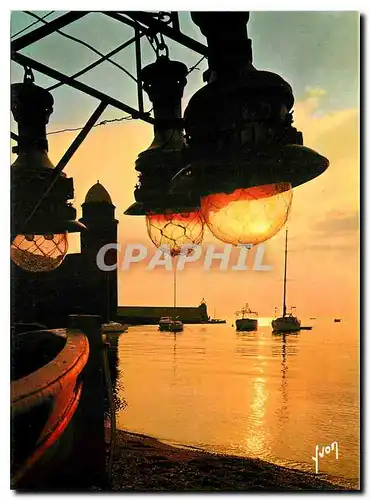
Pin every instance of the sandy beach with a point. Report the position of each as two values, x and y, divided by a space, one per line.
145 464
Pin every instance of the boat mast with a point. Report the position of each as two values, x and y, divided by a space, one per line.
285 269
174 284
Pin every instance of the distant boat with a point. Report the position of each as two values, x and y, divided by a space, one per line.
216 320
248 321
306 327
114 327
313 318
286 322
167 324
337 320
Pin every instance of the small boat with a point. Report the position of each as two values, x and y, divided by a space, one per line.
313 318
306 327
113 327
287 322
337 320
167 324
216 320
248 321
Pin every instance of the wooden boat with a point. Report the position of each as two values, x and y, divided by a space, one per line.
248 321
337 320
46 390
287 322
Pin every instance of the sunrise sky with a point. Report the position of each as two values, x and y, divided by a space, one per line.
317 53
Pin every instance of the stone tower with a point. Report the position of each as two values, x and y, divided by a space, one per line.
98 216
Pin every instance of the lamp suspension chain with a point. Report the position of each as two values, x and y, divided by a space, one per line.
28 75
159 45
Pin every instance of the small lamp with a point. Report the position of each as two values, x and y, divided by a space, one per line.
39 239
173 223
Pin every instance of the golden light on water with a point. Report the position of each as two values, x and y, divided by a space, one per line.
256 433
248 216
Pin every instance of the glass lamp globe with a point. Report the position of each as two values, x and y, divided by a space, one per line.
248 216
39 252
175 233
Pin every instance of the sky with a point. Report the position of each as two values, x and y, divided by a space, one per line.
317 53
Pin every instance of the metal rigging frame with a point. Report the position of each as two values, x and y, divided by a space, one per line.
143 23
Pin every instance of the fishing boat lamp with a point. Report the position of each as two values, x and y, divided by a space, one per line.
173 222
39 237
244 156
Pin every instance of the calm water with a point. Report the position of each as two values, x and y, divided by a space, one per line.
249 394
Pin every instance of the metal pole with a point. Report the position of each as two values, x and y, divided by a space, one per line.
96 63
146 19
138 71
79 139
68 155
47 29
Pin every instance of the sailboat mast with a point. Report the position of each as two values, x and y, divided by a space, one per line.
285 270
174 284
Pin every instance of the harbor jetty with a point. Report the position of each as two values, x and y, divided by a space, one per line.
146 315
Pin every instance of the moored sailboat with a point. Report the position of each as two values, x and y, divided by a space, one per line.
288 322
167 324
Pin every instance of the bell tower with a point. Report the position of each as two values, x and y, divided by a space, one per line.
98 216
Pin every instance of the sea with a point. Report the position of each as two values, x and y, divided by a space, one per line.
286 399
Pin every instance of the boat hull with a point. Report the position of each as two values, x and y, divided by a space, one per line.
46 391
171 327
286 324
246 325
176 328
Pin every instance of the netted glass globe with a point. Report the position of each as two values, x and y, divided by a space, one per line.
248 216
39 252
175 233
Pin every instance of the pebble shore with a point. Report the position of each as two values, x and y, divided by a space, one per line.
145 464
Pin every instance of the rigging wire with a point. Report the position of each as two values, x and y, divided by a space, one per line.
103 122
196 65
85 44
123 118
32 24
92 65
